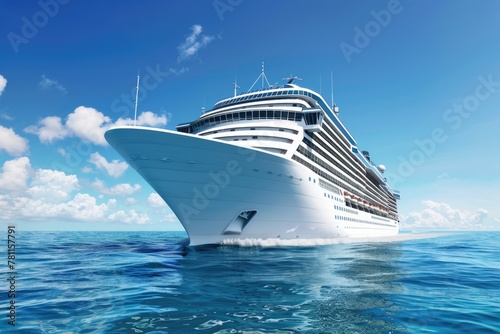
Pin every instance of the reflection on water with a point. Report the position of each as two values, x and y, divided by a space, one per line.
358 293
326 289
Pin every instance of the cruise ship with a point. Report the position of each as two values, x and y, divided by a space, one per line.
274 163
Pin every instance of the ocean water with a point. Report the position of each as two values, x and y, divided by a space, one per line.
150 282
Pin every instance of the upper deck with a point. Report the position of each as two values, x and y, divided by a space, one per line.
227 110
268 94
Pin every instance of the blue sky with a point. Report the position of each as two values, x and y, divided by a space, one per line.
417 83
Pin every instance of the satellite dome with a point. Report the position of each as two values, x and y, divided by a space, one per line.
381 168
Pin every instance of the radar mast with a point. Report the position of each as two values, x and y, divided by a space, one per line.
263 77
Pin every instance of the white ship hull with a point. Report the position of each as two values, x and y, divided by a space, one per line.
219 190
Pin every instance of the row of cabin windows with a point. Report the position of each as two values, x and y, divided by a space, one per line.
331 160
324 175
374 190
328 167
355 220
370 186
245 116
365 209
329 187
341 208
328 176
264 128
262 95
332 197
326 138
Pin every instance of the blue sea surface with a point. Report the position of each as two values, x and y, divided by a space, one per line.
151 282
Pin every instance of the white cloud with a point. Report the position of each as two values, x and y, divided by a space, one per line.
6 116
49 129
161 209
146 118
82 207
14 174
179 71
151 119
3 84
45 196
50 197
125 189
86 169
62 152
443 216
193 43
114 168
11 142
130 217
88 124
48 84
10 206
169 217
156 201
52 186
122 189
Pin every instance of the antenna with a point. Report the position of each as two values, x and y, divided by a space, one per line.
290 79
334 106
204 102
263 76
235 84
235 87
136 97
331 79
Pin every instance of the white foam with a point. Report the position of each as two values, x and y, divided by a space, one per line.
277 242
211 323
